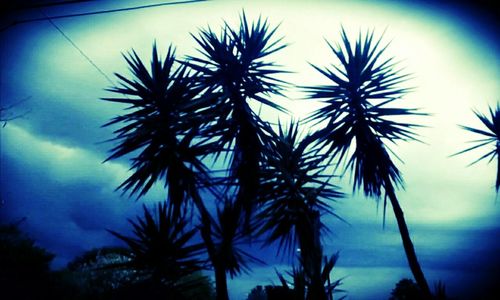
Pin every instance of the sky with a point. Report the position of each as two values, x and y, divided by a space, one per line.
51 169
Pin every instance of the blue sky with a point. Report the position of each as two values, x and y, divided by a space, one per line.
51 170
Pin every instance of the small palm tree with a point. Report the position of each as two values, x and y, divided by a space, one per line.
358 112
490 136
297 284
234 71
162 252
293 194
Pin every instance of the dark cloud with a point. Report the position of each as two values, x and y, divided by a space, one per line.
66 194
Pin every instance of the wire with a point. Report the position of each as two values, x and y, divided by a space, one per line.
24 6
78 48
101 12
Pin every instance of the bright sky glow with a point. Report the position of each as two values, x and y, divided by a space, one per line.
454 67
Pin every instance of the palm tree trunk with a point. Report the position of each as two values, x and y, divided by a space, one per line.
411 256
497 183
206 234
311 255
221 283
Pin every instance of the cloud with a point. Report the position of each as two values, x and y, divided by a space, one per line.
65 192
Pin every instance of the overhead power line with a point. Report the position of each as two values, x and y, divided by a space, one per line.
77 48
101 12
24 6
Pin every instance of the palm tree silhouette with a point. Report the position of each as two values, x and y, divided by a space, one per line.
234 71
162 254
293 194
162 131
490 136
358 111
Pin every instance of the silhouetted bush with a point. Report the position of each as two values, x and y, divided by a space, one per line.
24 267
406 289
257 293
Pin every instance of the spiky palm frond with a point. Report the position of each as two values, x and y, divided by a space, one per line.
234 69
358 111
234 64
293 189
162 128
162 247
331 286
296 287
229 234
490 137
300 282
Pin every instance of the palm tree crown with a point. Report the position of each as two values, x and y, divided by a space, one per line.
357 106
293 189
229 235
490 136
162 250
234 70
162 127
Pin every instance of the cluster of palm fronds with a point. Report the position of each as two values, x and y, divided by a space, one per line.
183 114
186 116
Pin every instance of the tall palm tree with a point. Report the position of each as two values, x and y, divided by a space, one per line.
358 111
234 71
490 136
162 130
294 194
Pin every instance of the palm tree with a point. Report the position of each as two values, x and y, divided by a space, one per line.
162 253
234 71
490 136
162 131
293 194
358 111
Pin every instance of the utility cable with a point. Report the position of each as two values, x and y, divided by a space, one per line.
101 12
78 48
